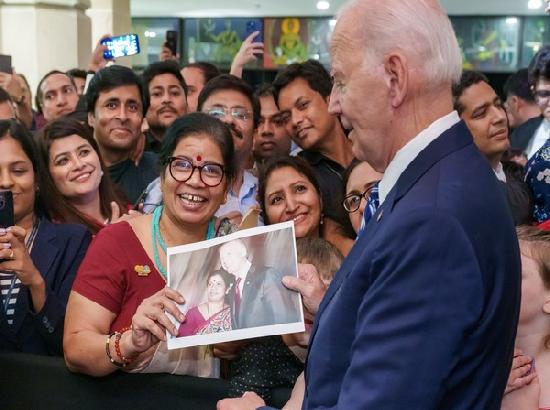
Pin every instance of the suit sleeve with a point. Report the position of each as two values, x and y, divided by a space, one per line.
426 296
51 319
281 300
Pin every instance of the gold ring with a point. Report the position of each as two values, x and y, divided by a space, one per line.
12 254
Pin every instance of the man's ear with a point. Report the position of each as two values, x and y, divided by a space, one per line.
397 74
91 119
546 305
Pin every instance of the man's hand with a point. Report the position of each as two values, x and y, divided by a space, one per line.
249 401
97 61
9 83
246 54
310 285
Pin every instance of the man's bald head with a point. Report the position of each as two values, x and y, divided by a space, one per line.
420 29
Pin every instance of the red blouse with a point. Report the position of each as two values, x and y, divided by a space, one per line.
114 273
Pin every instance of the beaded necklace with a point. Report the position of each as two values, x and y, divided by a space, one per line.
157 238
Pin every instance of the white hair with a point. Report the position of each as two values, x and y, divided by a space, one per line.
420 29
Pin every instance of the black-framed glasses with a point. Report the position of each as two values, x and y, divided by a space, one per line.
182 169
542 96
353 201
219 112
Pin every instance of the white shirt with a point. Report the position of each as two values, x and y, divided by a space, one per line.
410 151
539 138
499 172
245 198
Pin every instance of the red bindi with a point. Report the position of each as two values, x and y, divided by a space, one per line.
199 158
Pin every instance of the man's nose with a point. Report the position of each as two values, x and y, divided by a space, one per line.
266 128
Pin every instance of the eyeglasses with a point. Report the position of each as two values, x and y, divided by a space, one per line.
542 96
220 112
353 201
182 169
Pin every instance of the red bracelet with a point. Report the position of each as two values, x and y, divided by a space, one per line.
108 351
118 336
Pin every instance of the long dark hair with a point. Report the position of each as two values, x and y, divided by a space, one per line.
47 199
65 127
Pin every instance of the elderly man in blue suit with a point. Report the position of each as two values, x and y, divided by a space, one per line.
422 313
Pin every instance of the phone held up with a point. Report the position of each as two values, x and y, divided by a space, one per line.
5 64
252 26
172 41
120 46
6 209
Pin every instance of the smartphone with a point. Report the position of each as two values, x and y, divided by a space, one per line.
120 46
172 41
251 27
6 209
5 64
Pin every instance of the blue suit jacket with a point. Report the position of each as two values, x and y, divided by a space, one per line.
57 252
423 312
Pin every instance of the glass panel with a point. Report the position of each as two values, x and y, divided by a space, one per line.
286 41
320 31
217 40
152 34
536 33
488 43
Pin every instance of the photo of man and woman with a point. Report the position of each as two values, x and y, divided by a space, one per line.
233 287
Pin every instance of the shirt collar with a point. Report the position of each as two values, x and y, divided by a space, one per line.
410 151
249 184
499 172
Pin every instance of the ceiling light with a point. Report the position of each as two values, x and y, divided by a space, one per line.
511 21
534 4
323 5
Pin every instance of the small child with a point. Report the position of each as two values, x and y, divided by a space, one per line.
266 363
327 260
529 381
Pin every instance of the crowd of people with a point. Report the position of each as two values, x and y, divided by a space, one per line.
420 200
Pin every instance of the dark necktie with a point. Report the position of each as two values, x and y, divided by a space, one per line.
238 295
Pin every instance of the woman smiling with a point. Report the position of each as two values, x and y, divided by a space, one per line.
74 163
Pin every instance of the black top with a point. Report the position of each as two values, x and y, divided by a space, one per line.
522 135
329 176
151 143
133 180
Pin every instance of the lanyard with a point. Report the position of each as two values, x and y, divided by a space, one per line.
28 244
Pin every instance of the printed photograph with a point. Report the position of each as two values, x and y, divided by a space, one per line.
233 287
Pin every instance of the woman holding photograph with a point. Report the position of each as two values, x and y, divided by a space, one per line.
116 315
214 315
